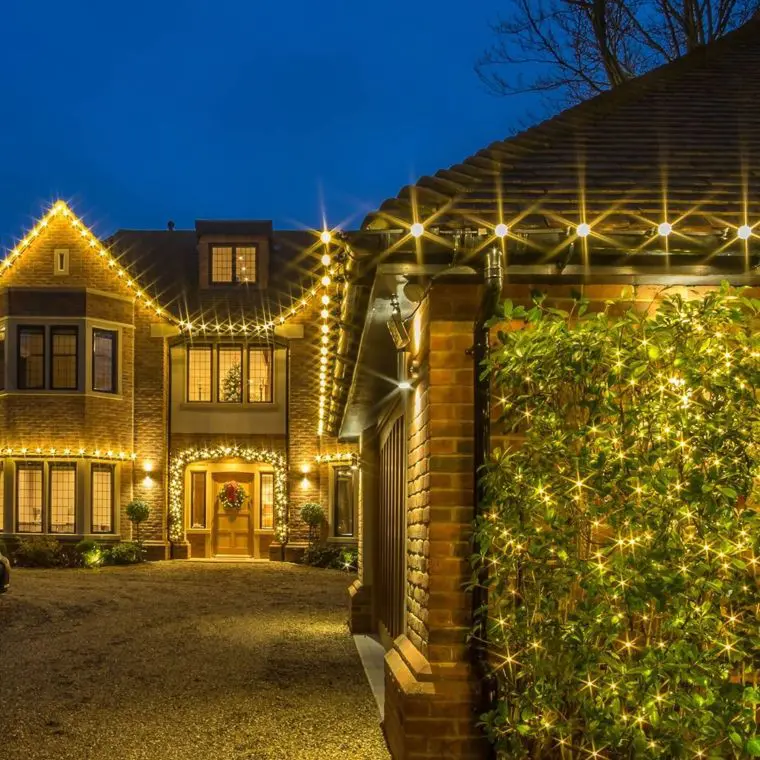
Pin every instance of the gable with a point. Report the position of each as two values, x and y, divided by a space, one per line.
34 261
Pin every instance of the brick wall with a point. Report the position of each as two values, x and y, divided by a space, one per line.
134 419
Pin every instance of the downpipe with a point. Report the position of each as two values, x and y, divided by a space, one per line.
493 278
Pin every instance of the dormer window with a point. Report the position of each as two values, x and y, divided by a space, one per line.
232 264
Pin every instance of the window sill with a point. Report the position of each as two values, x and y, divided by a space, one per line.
57 394
343 540
211 406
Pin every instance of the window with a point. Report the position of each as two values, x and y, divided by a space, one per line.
267 500
229 375
104 361
2 499
233 263
199 373
61 261
343 501
102 498
63 498
63 350
198 499
29 498
259 375
31 357
2 358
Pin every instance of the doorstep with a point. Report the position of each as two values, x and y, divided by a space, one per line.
372 654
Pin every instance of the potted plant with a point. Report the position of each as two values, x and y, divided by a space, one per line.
137 512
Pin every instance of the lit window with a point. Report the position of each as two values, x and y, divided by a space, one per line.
230 375
343 501
62 498
63 342
199 373
259 375
102 498
221 264
2 358
29 498
233 263
31 357
267 500
245 264
104 361
198 499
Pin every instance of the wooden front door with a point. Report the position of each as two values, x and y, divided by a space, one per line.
233 530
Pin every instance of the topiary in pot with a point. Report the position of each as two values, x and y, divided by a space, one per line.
313 515
137 512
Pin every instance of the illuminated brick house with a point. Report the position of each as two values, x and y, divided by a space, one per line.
163 365
653 186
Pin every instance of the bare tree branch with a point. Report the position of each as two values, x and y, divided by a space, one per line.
572 49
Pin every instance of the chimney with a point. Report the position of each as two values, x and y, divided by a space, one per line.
170 225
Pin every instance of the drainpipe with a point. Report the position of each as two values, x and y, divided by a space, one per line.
493 277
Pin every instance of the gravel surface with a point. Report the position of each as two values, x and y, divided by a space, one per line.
182 660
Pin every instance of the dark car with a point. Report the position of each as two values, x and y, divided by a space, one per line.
5 573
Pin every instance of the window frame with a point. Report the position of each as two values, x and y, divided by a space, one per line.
20 379
263 349
64 330
40 467
262 475
334 506
243 374
102 467
48 508
204 347
191 521
234 281
114 360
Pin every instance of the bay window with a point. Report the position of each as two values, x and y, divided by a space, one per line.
63 498
29 498
102 498
63 351
104 361
31 358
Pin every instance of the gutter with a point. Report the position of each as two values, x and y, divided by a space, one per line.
493 277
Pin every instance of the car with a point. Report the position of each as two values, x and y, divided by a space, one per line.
5 573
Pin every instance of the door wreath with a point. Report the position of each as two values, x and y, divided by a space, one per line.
232 496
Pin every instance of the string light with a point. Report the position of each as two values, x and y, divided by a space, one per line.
417 230
744 232
501 230
66 452
583 230
664 229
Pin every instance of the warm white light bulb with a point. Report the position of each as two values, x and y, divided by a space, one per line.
325 299
665 229
744 232
584 230
326 280
417 230
325 237
404 385
501 230
326 260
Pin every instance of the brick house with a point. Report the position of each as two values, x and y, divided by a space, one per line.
163 365
652 187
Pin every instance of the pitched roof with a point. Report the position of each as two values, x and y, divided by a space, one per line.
682 141
169 261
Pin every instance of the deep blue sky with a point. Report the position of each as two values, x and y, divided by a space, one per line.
152 110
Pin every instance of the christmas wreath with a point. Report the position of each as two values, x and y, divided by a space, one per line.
232 496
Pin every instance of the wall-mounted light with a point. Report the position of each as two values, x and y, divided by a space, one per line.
147 466
305 469
148 482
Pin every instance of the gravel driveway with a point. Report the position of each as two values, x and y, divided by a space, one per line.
182 660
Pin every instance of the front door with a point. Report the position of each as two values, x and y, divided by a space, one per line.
233 530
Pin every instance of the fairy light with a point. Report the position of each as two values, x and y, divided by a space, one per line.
583 230
664 229
501 230
62 452
744 232
417 230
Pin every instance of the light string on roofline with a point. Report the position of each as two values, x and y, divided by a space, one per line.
325 328
61 209
70 452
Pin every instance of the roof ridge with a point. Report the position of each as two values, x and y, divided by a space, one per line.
528 142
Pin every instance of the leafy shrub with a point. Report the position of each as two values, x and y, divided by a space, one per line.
332 557
38 551
137 512
4 549
90 553
313 515
125 553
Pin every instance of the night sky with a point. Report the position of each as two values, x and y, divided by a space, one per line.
151 110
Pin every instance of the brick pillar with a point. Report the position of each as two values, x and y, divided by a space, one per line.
431 693
361 618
